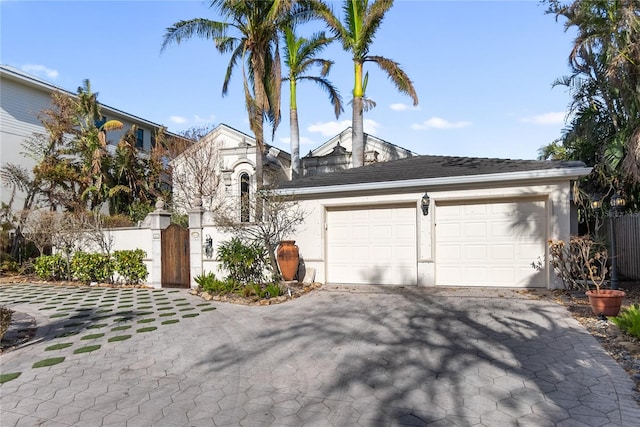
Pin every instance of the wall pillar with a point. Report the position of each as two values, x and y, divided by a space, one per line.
159 220
195 244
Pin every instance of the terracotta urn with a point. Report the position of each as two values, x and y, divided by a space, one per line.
606 301
288 257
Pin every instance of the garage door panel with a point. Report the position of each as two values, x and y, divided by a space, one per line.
496 244
372 245
502 252
475 229
475 252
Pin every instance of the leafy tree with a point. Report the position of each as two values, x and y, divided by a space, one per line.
195 171
604 126
362 19
281 217
299 57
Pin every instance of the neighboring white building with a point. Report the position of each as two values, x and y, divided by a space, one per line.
23 98
234 156
221 167
335 154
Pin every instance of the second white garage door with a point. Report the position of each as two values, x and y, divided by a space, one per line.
490 243
373 245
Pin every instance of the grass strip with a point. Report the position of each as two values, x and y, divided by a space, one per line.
97 326
48 362
58 346
8 377
121 328
170 321
147 329
92 336
67 334
167 314
119 338
208 309
191 315
87 349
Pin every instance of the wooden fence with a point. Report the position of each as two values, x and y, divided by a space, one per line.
627 231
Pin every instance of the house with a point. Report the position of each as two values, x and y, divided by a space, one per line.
22 99
335 154
436 221
224 161
221 167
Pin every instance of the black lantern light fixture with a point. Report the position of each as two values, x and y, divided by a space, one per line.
426 200
208 246
617 202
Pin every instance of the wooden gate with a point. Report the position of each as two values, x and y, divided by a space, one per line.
175 257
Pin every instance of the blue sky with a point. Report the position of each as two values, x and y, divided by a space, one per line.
483 71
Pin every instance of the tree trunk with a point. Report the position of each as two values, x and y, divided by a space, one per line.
295 143
357 133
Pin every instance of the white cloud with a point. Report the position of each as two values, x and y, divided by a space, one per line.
439 123
552 118
40 71
178 119
329 129
303 140
196 120
332 128
403 107
207 120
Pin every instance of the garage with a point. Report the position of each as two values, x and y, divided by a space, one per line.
490 242
372 245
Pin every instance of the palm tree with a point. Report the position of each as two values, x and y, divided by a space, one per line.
250 34
361 21
605 63
91 147
299 57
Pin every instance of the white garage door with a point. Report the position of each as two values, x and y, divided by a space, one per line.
372 245
490 243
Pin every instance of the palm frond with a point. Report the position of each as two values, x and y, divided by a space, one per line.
399 78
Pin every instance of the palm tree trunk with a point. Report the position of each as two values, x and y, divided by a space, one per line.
357 133
295 143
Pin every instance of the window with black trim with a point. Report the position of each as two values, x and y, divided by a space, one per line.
139 138
244 198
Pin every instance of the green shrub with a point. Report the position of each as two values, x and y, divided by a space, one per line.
245 263
209 283
50 267
91 267
130 266
273 290
5 320
629 320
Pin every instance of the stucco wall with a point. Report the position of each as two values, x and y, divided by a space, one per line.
311 235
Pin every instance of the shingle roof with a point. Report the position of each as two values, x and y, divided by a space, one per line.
426 167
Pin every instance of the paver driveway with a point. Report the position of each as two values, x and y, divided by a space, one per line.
340 356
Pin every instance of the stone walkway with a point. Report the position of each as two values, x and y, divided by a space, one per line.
342 356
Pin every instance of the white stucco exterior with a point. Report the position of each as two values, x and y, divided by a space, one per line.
553 193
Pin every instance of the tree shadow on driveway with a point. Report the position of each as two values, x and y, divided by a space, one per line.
417 356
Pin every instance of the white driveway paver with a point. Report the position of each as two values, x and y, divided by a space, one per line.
369 356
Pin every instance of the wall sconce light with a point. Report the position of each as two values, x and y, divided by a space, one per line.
208 246
426 200
617 201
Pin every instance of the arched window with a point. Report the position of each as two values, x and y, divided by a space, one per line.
244 197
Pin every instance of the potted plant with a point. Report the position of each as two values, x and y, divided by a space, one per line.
582 264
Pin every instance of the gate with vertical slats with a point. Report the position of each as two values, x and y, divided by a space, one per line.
175 257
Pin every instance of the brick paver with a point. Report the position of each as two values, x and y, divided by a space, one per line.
341 356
